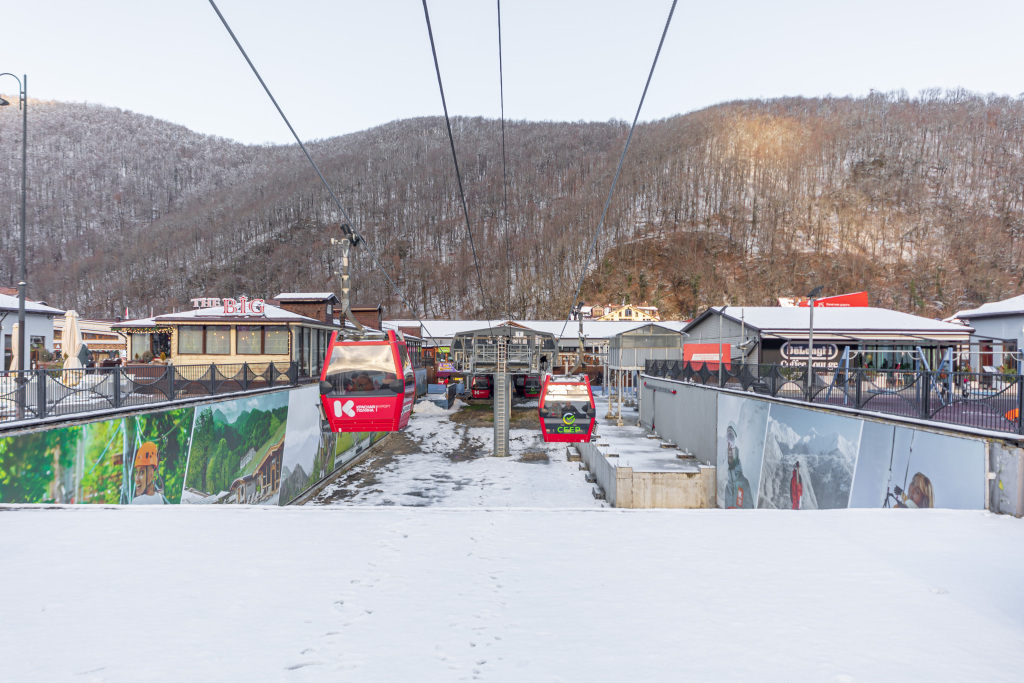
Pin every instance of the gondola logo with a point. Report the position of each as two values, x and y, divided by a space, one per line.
347 408
569 419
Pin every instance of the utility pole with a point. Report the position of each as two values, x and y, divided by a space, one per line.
810 342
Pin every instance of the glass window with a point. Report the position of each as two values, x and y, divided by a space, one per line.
190 340
276 340
218 340
560 399
363 369
249 339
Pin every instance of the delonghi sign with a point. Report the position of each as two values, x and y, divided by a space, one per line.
825 355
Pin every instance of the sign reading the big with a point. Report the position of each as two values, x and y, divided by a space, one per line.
240 306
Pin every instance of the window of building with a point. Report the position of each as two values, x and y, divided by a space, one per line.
249 340
257 339
204 339
190 339
275 340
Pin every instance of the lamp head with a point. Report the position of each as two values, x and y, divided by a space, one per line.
3 102
815 292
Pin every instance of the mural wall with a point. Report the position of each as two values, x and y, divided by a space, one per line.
265 449
778 456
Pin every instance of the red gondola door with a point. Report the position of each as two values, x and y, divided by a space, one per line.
367 386
567 411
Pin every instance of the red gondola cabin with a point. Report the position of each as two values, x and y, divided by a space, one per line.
531 387
481 386
567 412
367 386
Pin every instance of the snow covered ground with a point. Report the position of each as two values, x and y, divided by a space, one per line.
229 593
437 564
445 463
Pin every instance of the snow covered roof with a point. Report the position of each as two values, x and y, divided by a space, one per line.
1011 306
216 314
10 303
592 329
769 319
306 296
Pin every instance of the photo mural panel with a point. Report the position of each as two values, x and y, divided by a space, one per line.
155 462
237 451
931 470
307 450
741 430
872 474
310 454
134 460
809 459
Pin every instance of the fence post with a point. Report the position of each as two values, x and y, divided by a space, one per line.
213 378
1020 405
41 393
858 375
926 393
117 386
170 382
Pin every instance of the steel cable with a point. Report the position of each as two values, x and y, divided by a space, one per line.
455 159
348 221
615 180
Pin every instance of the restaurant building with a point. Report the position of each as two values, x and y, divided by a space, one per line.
869 337
229 331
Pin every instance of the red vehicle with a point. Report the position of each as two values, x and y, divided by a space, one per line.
567 411
367 386
531 387
481 386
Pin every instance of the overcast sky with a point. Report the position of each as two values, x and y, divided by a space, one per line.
338 66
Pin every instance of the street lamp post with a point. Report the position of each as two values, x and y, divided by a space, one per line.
23 104
810 341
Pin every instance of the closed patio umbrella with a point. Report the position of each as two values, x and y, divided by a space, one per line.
15 351
72 344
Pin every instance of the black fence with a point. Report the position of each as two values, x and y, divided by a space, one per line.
970 399
35 394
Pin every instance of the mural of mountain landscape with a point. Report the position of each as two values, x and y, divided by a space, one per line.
237 451
825 446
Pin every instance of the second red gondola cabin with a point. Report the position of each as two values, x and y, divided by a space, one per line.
566 409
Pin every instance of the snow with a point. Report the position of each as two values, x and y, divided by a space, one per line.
442 565
394 594
453 469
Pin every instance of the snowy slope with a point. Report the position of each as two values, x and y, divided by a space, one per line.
199 593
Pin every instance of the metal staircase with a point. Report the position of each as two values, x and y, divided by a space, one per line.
502 401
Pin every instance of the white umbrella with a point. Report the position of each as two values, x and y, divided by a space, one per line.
15 351
71 343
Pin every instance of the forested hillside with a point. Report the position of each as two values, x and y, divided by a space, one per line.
916 199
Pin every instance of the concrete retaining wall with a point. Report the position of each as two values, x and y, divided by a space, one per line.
687 415
625 488
687 418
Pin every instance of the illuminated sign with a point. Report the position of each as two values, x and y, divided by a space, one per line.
792 351
569 419
574 429
240 306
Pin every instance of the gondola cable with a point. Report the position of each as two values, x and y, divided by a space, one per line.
350 232
615 180
504 174
455 159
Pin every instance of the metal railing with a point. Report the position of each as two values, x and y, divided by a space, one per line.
970 399
37 394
